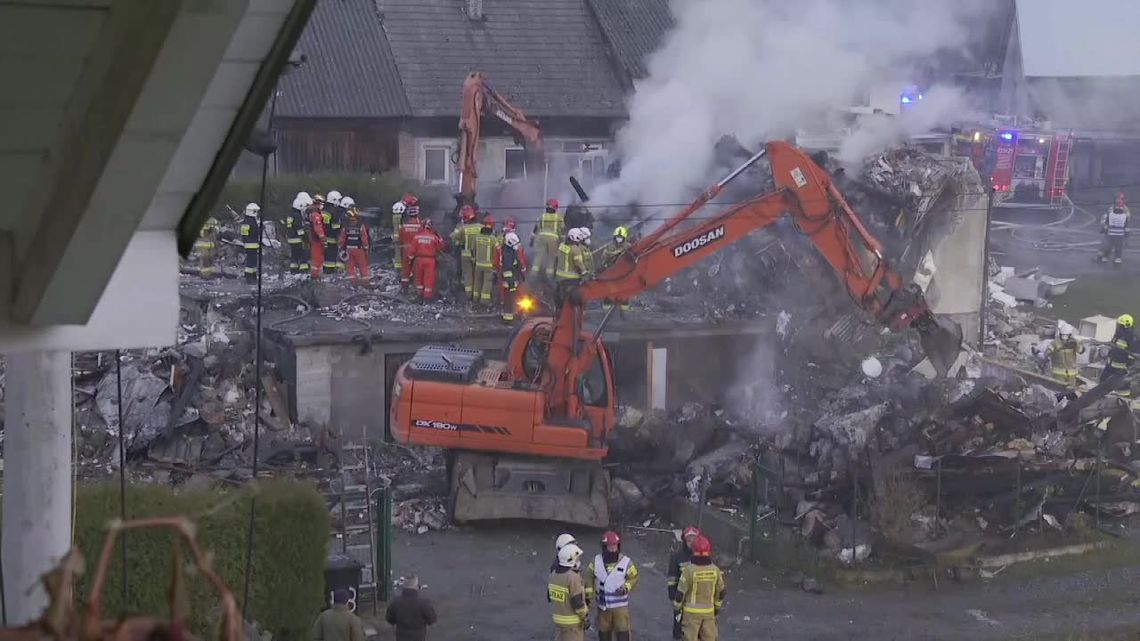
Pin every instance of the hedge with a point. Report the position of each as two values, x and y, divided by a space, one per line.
368 190
291 536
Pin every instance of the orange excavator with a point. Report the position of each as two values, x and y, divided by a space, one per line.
479 98
527 434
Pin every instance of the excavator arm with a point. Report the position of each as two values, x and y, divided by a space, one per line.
478 98
804 192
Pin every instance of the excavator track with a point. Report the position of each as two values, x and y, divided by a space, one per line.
489 487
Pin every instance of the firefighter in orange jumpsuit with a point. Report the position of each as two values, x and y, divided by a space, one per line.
426 246
355 241
510 264
408 231
317 239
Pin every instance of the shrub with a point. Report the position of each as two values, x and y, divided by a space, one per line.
291 535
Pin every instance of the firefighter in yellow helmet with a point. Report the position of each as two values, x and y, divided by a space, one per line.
206 247
1121 354
700 594
567 596
610 253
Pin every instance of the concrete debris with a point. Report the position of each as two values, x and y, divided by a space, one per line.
420 515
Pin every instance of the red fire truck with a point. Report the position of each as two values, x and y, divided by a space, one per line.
1027 167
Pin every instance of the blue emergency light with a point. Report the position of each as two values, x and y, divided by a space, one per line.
1006 135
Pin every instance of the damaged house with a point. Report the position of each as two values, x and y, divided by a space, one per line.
381 86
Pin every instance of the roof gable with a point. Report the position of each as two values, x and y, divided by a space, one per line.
633 29
349 71
546 56
1090 38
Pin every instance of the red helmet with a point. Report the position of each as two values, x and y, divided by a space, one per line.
701 547
611 538
410 199
552 203
690 532
511 224
467 213
488 221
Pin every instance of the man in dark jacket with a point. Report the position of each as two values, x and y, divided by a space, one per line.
410 613
338 623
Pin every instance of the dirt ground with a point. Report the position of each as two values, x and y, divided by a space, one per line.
489 584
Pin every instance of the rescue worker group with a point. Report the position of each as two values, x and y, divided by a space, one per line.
696 589
326 235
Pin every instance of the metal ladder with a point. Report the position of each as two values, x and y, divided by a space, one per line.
1058 180
353 532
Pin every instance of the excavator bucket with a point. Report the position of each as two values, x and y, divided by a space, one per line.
941 341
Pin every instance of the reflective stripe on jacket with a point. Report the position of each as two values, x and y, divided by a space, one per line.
249 236
567 598
1116 224
550 224
609 578
485 245
701 589
571 262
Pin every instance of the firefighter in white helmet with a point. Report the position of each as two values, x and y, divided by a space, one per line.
567 596
295 233
251 240
562 541
1062 353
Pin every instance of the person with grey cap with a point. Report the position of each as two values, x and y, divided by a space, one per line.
338 623
410 612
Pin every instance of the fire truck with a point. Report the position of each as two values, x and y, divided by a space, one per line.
1027 166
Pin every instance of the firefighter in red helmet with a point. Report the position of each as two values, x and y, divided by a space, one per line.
609 579
700 594
425 249
677 562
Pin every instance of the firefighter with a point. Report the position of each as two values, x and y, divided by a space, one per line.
207 248
700 594
355 243
567 596
562 541
486 245
572 266
1063 353
1121 353
677 562
1114 226
547 231
408 230
295 233
609 579
250 240
336 217
317 236
425 248
398 209
510 262
618 246
463 240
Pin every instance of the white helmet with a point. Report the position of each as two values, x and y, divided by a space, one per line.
399 208
585 231
333 197
574 235
563 540
347 202
570 556
1064 329
512 240
302 201
251 209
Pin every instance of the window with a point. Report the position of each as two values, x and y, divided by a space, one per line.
435 164
515 164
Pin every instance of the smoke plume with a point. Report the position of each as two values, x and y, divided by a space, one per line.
759 70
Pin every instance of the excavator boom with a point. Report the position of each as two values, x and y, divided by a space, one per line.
805 192
479 98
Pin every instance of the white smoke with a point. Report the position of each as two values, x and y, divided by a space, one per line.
759 70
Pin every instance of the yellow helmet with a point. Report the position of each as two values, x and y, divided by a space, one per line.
1125 320
621 232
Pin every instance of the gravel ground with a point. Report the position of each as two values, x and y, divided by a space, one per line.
489 583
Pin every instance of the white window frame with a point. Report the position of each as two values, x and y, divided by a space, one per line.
447 168
521 150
